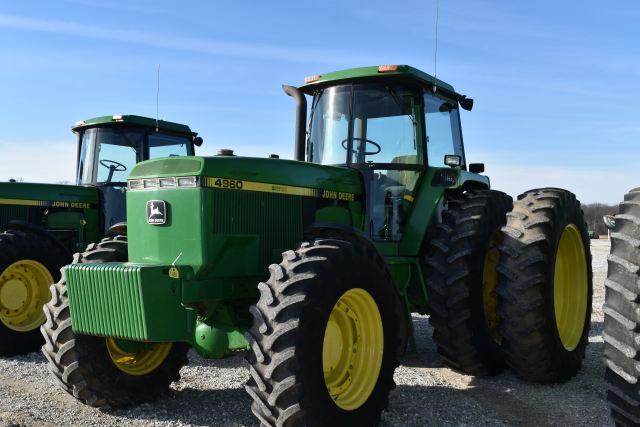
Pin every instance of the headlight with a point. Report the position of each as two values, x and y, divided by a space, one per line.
167 182
135 184
150 183
187 181
162 183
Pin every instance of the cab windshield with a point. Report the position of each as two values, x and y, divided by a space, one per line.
365 124
107 155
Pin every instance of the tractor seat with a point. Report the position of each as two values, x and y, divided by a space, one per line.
402 181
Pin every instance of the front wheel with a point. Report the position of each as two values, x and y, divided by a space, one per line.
325 338
106 372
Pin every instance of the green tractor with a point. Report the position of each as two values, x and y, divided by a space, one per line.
622 313
314 265
45 224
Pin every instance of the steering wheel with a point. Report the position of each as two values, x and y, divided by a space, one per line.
367 141
113 167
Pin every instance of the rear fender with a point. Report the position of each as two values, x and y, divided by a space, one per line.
28 227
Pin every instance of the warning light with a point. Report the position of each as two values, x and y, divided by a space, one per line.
312 79
387 68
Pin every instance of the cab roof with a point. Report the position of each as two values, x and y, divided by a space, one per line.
133 120
405 73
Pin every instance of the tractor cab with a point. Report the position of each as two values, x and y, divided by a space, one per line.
110 146
391 123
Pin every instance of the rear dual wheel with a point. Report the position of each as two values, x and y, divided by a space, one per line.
516 294
545 286
106 372
29 264
326 336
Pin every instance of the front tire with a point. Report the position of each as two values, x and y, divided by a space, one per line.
545 286
29 264
325 338
97 371
622 315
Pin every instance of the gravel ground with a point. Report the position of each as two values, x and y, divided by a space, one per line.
211 392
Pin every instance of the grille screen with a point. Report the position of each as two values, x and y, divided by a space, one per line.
275 218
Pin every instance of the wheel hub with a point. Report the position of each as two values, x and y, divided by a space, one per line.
352 349
24 289
570 287
13 294
137 359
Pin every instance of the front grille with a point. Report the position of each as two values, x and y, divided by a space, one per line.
275 218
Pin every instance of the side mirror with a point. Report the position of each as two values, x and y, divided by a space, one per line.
197 141
476 167
452 160
466 103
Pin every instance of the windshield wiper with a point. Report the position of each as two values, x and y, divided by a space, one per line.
398 102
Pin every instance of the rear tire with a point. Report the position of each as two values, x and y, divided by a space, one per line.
545 318
17 246
622 315
81 363
289 381
465 330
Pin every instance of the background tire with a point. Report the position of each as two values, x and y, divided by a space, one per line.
287 383
530 302
16 246
82 364
467 240
622 315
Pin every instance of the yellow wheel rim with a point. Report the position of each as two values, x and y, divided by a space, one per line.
570 287
139 363
489 284
24 289
352 349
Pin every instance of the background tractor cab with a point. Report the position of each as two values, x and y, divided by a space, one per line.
109 147
42 225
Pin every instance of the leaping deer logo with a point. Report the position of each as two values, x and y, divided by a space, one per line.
155 211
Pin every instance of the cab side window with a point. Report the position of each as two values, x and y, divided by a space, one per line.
442 122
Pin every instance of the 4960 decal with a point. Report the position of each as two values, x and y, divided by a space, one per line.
233 184
238 184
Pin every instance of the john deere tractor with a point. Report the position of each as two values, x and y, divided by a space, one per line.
45 224
314 265
622 313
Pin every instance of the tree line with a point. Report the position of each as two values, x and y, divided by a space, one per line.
593 213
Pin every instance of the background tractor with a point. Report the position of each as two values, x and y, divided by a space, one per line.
622 313
45 224
314 265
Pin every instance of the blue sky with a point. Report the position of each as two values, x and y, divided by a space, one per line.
554 82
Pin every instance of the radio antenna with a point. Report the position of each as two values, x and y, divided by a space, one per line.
435 54
158 98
